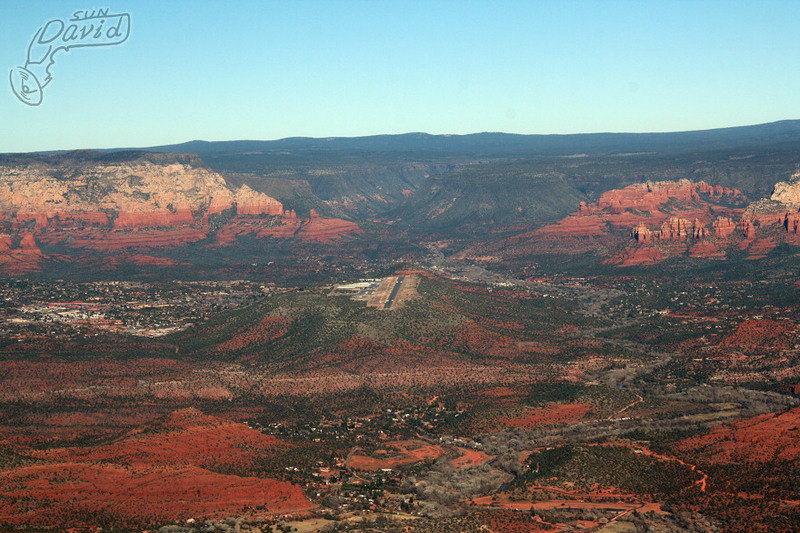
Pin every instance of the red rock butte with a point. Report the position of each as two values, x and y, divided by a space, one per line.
666 218
147 201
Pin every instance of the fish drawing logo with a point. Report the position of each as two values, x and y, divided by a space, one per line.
85 28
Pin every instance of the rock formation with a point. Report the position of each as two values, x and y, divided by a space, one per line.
699 231
642 234
747 228
788 193
250 202
45 187
651 195
723 227
638 255
155 219
136 200
665 219
139 190
675 229
321 229
791 221
781 207
28 245
25 258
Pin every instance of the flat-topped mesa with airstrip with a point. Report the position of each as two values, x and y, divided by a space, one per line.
387 293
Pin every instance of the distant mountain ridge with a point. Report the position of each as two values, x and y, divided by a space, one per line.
229 199
785 131
451 179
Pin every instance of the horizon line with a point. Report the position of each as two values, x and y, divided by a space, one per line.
330 137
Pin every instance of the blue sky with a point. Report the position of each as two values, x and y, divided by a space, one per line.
264 70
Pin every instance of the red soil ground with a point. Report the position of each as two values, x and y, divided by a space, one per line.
760 248
473 337
707 250
469 458
758 439
504 521
394 454
576 226
159 471
500 396
500 392
552 414
36 380
187 436
269 328
639 255
761 333
57 495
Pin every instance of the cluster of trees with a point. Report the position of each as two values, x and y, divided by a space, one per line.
444 488
753 402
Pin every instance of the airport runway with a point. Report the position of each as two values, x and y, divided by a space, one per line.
393 294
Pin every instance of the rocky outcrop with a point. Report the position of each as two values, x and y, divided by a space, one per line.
642 234
699 231
135 201
747 228
672 229
252 203
788 193
25 258
138 190
781 207
723 227
153 219
575 226
791 222
140 239
652 195
53 219
45 187
665 219
321 229
311 229
638 255
28 245
675 229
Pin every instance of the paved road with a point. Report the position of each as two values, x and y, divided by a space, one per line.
394 292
